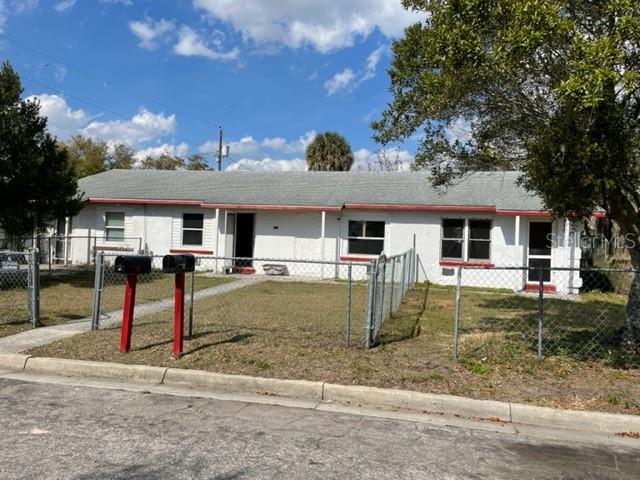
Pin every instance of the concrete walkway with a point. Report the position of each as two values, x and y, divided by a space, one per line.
45 335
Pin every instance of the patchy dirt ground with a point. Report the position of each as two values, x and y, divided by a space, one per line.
296 330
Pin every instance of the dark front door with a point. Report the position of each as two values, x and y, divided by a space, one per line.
244 238
539 251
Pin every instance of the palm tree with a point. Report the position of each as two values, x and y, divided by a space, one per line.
329 151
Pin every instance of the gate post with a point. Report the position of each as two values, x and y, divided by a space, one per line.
456 320
97 291
34 287
371 290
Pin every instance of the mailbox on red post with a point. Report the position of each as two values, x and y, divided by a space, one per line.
131 266
179 265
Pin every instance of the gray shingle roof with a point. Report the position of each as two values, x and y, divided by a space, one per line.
327 189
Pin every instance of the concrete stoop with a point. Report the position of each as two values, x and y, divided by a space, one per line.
326 393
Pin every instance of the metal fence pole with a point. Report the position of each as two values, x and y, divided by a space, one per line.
347 316
383 271
456 320
97 291
34 290
402 277
193 282
49 254
370 312
393 277
540 310
414 263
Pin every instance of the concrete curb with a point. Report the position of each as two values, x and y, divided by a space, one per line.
299 389
13 361
600 422
424 402
353 395
85 368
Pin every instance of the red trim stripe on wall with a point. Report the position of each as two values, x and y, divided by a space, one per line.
191 250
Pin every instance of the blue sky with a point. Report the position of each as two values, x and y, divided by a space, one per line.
162 75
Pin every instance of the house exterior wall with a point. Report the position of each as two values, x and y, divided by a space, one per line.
157 229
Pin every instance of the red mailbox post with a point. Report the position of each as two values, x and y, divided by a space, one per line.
178 264
131 266
178 316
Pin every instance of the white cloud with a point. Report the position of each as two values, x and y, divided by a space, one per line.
325 26
150 32
275 143
142 127
365 159
23 6
62 121
145 126
15 7
348 80
179 150
248 145
64 5
340 81
268 165
60 72
372 63
128 3
459 130
191 44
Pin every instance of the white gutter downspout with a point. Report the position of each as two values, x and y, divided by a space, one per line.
217 237
322 242
66 240
519 253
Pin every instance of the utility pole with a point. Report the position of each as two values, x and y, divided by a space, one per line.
220 149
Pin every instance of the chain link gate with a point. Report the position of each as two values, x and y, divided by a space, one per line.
20 287
389 280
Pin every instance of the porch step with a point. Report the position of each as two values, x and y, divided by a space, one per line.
241 270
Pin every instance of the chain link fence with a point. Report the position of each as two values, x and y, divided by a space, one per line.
303 298
56 251
502 313
389 280
19 288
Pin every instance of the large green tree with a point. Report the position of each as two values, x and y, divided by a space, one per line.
38 183
197 162
90 156
329 151
163 162
548 87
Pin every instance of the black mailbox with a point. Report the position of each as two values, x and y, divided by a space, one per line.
133 264
178 263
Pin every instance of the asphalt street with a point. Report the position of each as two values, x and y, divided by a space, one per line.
57 431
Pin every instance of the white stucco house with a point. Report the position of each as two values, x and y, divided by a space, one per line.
484 220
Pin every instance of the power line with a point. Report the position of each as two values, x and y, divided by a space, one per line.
105 81
78 99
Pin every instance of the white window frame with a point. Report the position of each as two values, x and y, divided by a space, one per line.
462 240
107 228
466 240
191 229
469 239
364 222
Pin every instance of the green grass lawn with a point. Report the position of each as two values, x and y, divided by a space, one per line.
295 330
68 296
